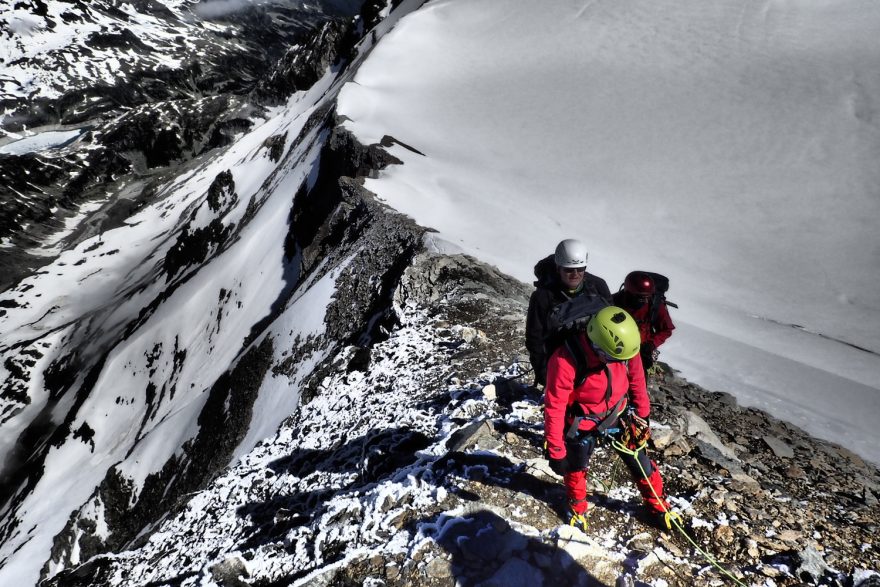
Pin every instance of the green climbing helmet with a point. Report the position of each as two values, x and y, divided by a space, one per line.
615 333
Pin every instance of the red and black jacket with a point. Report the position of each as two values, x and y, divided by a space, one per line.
593 397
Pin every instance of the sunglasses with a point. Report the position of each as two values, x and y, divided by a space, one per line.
571 270
603 355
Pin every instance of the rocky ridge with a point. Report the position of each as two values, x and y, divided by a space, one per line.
417 461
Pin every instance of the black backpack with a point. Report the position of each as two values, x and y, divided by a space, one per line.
572 316
545 271
566 321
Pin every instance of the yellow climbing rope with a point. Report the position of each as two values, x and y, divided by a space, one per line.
672 519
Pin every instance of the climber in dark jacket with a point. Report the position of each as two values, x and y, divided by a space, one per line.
561 277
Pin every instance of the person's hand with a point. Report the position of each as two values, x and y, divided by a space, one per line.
639 430
559 466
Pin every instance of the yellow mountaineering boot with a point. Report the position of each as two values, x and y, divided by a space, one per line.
575 518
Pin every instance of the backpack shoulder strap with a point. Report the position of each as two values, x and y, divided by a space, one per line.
581 369
574 348
654 309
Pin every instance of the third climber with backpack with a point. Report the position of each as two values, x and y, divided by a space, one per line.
562 277
640 296
601 397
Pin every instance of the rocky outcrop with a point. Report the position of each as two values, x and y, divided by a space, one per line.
304 64
424 467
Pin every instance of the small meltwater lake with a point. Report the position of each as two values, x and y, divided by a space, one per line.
52 139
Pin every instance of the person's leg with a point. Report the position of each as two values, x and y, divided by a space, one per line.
579 452
576 491
650 484
651 489
648 480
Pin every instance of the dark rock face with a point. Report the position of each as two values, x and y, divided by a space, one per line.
195 244
302 66
221 194
341 157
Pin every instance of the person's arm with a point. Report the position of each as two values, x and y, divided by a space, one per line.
560 386
603 290
536 329
638 387
663 327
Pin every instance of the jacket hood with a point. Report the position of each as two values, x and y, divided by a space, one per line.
545 271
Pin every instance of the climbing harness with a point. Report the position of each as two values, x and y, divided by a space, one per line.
636 432
603 420
670 518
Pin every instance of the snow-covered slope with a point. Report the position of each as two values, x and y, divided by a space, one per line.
729 145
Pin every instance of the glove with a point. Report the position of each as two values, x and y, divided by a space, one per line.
540 377
559 466
639 430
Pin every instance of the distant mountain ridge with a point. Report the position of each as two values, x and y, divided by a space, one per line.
149 85
68 62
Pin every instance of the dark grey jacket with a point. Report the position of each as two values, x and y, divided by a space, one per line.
549 293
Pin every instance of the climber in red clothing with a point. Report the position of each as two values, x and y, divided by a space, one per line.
639 296
580 408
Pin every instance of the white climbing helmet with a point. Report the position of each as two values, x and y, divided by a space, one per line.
571 253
